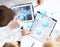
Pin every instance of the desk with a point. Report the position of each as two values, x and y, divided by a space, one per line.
27 41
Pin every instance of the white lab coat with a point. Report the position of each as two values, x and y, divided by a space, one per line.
7 35
10 3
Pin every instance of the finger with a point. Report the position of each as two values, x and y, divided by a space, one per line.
49 38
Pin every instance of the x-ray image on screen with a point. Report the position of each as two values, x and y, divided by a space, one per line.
24 12
43 27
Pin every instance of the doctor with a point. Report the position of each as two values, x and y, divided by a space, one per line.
7 27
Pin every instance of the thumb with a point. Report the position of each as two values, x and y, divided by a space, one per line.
49 38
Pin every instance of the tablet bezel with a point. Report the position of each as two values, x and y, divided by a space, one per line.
31 7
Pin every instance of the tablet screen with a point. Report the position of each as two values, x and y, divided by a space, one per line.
24 12
43 27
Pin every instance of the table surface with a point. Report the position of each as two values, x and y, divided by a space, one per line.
28 41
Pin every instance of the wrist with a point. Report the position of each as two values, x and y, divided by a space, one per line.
10 27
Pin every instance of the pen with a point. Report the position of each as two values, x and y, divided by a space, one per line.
32 44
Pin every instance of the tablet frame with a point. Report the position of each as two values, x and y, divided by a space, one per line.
31 7
35 36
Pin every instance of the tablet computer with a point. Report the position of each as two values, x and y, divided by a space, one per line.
24 12
42 28
55 35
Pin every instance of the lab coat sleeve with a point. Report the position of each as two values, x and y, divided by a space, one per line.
7 35
4 33
17 34
14 35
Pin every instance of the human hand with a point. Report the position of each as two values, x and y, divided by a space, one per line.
51 43
14 24
25 32
58 39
